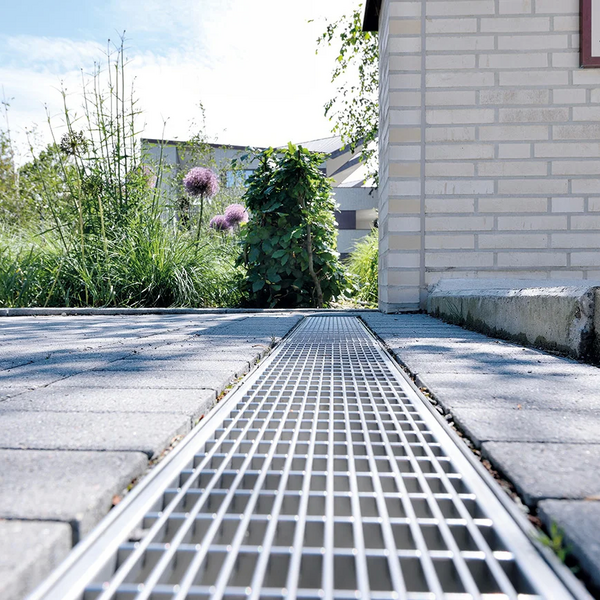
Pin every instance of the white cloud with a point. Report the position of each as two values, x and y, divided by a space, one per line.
53 55
251 63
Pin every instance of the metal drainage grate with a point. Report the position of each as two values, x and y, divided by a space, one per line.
324 476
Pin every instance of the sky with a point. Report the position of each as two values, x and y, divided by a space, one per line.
250 63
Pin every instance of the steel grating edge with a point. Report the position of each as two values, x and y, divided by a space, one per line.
568 579
70 579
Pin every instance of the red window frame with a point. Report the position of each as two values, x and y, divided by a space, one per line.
587 60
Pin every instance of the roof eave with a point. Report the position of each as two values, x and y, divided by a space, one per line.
371 20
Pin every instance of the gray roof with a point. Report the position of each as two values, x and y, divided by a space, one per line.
327 145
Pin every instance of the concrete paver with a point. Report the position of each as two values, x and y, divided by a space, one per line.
101 400
580 522
28 552
544 471
193 364
140 378
496 390
514 425
149 433
72 487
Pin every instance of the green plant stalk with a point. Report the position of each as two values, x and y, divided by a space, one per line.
200 219
309 252
51 291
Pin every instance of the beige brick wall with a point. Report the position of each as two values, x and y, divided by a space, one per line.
489 144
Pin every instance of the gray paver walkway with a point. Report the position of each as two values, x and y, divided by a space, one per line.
86 402
535 416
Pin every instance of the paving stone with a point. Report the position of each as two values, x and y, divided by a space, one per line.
139 363
144 432
208 350
34 376
580 521
513 360
28 553
513 425
572 393
193 403
542 471
74 487
140 379
249 355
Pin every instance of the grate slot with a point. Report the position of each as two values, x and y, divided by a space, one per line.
323 476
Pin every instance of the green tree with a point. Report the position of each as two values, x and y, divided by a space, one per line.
354 109
290 240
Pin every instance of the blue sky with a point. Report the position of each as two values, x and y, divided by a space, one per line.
251 63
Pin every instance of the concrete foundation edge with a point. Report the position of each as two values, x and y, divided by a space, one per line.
559 317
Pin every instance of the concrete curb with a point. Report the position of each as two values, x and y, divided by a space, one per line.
555 316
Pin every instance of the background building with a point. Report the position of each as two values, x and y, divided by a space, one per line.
357 203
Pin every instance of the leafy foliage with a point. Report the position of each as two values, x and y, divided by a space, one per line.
290 239
355 106
555 542
363 268
10 205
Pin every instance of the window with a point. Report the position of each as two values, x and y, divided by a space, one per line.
590 33
238 177
346 219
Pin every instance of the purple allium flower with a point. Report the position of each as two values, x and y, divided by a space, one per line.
201 182
220 223
235 214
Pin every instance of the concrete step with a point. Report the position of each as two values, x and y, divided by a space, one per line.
556 316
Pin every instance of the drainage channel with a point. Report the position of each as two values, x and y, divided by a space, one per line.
323 476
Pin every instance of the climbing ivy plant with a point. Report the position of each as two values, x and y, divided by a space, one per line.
290 241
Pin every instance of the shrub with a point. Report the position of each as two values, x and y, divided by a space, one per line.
363 268
290 239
